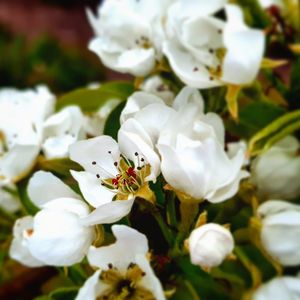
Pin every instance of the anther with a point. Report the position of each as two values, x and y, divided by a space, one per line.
93 163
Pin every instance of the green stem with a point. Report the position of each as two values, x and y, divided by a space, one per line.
171 210
164 228
253 270
191 290
188 213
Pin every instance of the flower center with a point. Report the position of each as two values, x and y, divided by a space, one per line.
124 285
217 71
130 178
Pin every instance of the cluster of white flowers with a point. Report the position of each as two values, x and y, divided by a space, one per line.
203 50
160 134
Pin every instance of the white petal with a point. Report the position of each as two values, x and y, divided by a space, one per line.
19 248
70 205
229 190
188 95
138 62
44 187
108 213
92 288
279 288
58 238
187 68
153 118
18 161
174 171
136 102
58 147
9 199
68 121
240 65
93 192
102 150
127 238
150 281
275 206
132 139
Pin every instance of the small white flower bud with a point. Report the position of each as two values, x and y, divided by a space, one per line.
280 288
209 245
281 230
276 172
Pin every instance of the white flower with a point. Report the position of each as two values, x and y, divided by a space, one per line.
55 235
61 130
209 245
113 171
94 123
194 161
124 269
205 51
128 34
156 86
279 288
22 114
280 231
276 172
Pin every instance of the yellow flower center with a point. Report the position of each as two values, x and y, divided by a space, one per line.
124 286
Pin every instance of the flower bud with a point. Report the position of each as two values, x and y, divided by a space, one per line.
209 245
281 230
280 288
276 172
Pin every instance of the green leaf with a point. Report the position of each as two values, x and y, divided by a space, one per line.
254 117
202 282
59 166
64 293
90 100
275 131
112 124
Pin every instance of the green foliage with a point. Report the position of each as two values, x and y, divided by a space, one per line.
253 117
45 62
112 124
90 100
273 132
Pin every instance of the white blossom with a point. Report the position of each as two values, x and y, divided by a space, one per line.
55 235
209 245
205 51
276 172
128 34
193 159
113 171
280 230
123 269
61 130
22 113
